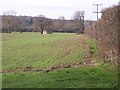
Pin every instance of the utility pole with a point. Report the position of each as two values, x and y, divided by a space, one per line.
97 9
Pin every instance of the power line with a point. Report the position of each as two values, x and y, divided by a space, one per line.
97 12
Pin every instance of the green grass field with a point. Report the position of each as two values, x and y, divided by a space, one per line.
25 55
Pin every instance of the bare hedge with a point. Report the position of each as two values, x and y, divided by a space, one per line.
105 31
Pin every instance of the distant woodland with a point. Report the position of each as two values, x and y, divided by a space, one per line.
13 23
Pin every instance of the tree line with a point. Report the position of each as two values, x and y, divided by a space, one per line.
13 23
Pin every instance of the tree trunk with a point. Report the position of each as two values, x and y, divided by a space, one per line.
41 30
9 31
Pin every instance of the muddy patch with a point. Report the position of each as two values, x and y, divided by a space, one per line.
86 63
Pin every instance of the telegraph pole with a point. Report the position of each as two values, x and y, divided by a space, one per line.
97 9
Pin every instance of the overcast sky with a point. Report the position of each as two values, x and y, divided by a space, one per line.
55 8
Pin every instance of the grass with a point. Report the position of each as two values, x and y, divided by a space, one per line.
84 77
43 51
39 51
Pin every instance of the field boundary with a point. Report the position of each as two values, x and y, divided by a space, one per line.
53 68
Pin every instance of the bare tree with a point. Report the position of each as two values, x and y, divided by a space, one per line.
10 13
42 22
21 24
10 20
61 22
79 19
61 17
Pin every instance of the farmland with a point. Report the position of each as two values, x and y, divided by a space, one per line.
58 60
